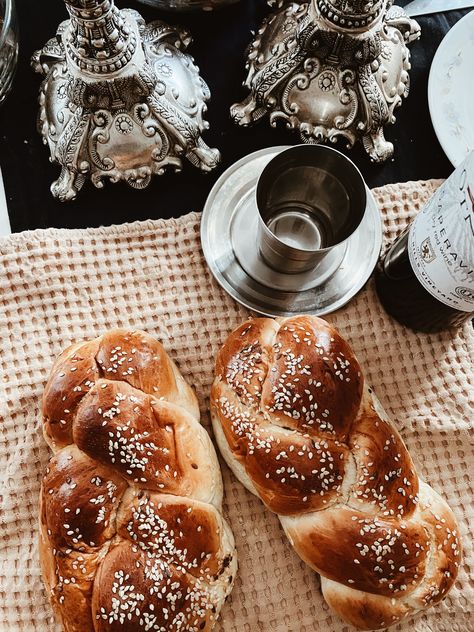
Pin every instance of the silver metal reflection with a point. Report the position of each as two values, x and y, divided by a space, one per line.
310 199
329 69
8 46
188 5
232 246
121 100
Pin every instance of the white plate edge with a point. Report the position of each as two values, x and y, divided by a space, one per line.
434 68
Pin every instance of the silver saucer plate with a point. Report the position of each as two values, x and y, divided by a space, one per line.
228 227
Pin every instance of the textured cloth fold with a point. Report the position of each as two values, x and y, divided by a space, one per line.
60 286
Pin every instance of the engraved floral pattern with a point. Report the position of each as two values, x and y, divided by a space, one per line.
327 81
61 91
120 126
124 124
164 70
361 83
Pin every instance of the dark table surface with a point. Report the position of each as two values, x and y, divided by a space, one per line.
220 39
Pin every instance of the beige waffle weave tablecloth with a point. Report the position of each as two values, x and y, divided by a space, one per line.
59 286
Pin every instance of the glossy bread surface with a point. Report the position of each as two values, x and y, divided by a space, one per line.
131 534
300 429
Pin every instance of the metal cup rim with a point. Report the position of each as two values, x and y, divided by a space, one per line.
306 147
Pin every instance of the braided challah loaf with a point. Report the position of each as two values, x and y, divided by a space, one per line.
299 429
131 534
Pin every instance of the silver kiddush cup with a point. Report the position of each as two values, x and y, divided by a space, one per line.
310 200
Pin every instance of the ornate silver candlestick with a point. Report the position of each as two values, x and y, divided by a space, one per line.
120 98
331 68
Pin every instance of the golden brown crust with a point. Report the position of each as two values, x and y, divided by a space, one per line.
73 374
150 442
131 535
306 348
363 610
243 363
191 541
80 498
122 599
285 466
387 483
295 422
384 557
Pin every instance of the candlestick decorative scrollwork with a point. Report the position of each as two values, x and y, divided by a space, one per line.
330 69
121 99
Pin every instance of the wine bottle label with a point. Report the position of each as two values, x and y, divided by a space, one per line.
441 241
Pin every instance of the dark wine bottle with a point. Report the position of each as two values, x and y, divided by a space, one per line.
426 278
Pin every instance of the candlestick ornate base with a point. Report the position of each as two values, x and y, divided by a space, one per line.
120 100
329 69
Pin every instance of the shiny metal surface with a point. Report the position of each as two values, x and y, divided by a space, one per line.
426 7
310 199
229 240
121 99
8 46
188 5
330 69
